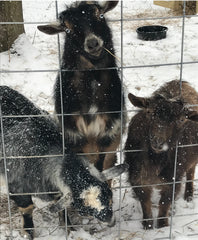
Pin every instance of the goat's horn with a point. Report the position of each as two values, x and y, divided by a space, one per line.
108 5
90 2
115 171
105 5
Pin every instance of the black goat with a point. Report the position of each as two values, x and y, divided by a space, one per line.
89 82
166 119
34 158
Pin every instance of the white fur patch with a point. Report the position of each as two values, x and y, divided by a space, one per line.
165 147
90 197
96 128
73 136
93 109
115 129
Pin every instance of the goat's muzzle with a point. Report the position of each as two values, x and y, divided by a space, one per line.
93 45
159 145
108 218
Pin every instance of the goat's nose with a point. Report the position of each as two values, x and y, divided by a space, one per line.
92 43
158 143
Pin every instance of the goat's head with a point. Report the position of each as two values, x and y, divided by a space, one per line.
90 193
96 199
85 26
165 119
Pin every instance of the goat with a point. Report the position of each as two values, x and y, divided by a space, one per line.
156 132
35 164
89 84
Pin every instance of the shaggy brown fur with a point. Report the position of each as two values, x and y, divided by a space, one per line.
165 120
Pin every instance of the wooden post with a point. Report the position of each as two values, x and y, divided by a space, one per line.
10 11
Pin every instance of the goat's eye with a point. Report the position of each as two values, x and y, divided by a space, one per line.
67 30
101 16
68 27
181 120
149 111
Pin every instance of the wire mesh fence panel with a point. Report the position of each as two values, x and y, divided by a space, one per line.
31 67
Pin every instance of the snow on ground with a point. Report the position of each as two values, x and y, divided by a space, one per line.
36 52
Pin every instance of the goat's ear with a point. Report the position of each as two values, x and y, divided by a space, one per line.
108 5
193 116
51 29
138 101
115 171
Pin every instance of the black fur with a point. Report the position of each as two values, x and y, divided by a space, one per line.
39 136
86 81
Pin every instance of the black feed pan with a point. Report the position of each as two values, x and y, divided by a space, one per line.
151 33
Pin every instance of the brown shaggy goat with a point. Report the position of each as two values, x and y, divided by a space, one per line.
155 146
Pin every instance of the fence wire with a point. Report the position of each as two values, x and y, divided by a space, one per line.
120 152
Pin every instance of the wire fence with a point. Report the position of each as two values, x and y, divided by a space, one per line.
121 186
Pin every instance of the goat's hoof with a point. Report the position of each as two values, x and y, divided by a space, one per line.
162 223
188 198
93 230
112 222
54 209
148 224
27 235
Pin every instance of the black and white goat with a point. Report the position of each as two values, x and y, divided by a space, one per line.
32 154
89 84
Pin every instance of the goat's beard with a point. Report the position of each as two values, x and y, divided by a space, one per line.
99 55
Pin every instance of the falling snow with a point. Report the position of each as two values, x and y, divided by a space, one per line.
36 51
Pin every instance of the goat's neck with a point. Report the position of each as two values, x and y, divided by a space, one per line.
84 64
73 59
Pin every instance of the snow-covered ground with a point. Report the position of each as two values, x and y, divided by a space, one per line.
35 52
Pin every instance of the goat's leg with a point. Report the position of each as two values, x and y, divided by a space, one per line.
164 206
99 162
110 158
57 207
91 149
165 203
62 216
144 196
104 160
188 195
109 161
103 157
26 207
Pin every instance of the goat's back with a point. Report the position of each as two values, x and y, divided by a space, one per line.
14 103
177 89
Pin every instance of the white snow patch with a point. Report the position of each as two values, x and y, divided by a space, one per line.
36 51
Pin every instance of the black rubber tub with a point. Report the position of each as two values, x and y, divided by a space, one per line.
152 33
